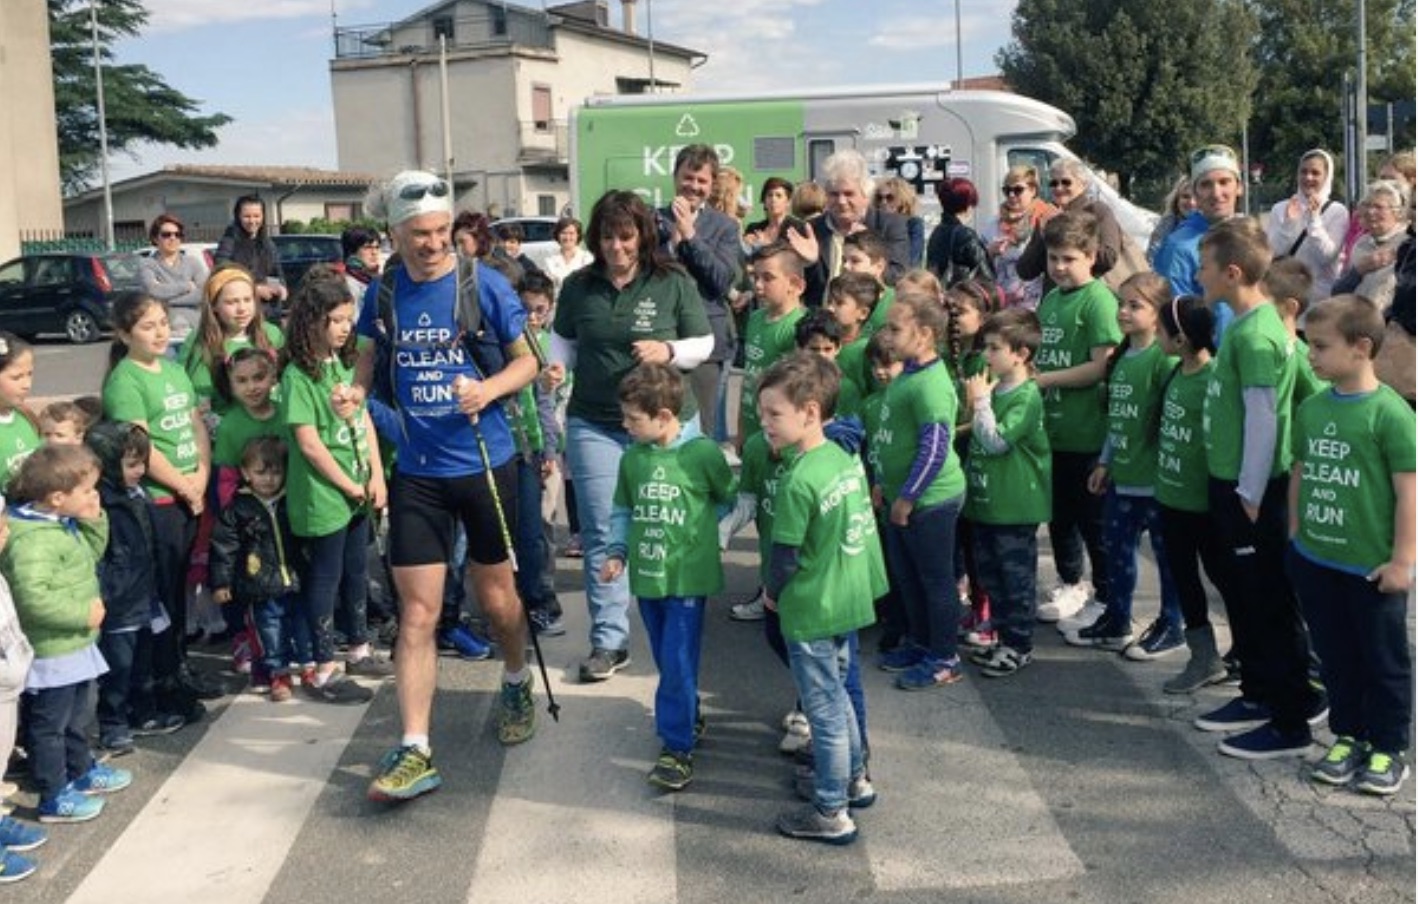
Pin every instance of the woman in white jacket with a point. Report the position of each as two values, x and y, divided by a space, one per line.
1309 225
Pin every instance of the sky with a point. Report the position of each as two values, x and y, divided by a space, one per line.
265 63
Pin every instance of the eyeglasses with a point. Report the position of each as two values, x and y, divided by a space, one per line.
415 192
885 196
1060 183
1015 189
1211 150
169 234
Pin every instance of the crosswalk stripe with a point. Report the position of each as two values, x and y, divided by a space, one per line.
219 829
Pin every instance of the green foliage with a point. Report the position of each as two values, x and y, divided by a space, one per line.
322 226
1145 80
140 105
1304 49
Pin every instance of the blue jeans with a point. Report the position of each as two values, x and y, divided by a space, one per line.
594 452
336 568
675 629
1124 519
773 632
820 671
922 556
58 735
284 636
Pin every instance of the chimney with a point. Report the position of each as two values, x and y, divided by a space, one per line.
627 10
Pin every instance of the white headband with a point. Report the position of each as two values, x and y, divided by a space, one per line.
414 192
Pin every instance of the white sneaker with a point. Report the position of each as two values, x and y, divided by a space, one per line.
1083 617
1064 601
753 610
797 733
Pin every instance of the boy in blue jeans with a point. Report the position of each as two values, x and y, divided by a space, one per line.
665 509
1352 546
826 568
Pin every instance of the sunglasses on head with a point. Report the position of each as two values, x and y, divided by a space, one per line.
415 192
1212 150
1060 183
1015 189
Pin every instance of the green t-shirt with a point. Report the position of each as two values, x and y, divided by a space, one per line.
525 421
201 373
760 474
968 363
18 438
852 361
824 511
914 399
672 494
162 399
1348 448
1012 486
849 399
240 428
764 341
1181 454
1306 382
876 322
1134 397
316 506
604 322
1255 352
1074 324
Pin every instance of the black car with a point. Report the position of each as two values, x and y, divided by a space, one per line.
67 293
299 252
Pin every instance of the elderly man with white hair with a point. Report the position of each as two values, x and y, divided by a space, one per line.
849 186
439 389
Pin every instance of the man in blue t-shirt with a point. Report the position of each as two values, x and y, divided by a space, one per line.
442 415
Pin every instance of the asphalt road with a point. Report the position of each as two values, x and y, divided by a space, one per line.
61 369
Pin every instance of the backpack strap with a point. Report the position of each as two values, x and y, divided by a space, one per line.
1304 235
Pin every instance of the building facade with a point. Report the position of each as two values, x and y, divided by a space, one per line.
513 75
29 152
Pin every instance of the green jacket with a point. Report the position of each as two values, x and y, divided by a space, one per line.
53 575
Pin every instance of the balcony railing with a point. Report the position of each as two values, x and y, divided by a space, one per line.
543 142
500 28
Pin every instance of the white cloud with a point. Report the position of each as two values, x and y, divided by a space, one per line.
295 138
751 46
917 32
178 15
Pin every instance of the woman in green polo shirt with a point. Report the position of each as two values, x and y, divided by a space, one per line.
630 306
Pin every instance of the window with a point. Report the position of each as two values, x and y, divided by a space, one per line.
774 153
13 275
443 28
818 150
345 210
546 207
499 22
541 108
53 272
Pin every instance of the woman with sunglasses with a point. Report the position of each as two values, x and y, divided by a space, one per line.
896 195
1006 235
172 276
1069 181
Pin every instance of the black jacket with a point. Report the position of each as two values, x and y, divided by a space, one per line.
128 574
253 551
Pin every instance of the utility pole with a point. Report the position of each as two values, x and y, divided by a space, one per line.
1361 113
959 51
108 239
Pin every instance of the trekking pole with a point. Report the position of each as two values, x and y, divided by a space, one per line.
553 708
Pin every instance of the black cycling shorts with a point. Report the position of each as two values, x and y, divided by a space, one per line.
423 510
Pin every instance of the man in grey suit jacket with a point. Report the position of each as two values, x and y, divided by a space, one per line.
849 185
708 244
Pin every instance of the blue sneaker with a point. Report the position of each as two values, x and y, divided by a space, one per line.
1267 743
70 806
1238 715
102 779
462 642
16 836
13 867
902 659
929 673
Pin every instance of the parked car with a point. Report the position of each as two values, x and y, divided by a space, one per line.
540 241
69 293
206 249
300 252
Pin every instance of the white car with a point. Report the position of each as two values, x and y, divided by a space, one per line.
539 242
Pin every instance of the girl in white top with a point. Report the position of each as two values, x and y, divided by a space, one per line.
1309 225
569 255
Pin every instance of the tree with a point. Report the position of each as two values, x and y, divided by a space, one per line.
1303 51
140 105
1145 80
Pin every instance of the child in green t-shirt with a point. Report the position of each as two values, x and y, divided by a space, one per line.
664 511
778 284
333 482
825 569
19 434
245 384
1351 526
885 365
852 298
1187 331
1246 421
1079 318
866 253
1125 474
819 332
1008 475
1288 283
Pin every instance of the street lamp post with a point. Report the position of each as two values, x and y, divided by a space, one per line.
1361 112
959 51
